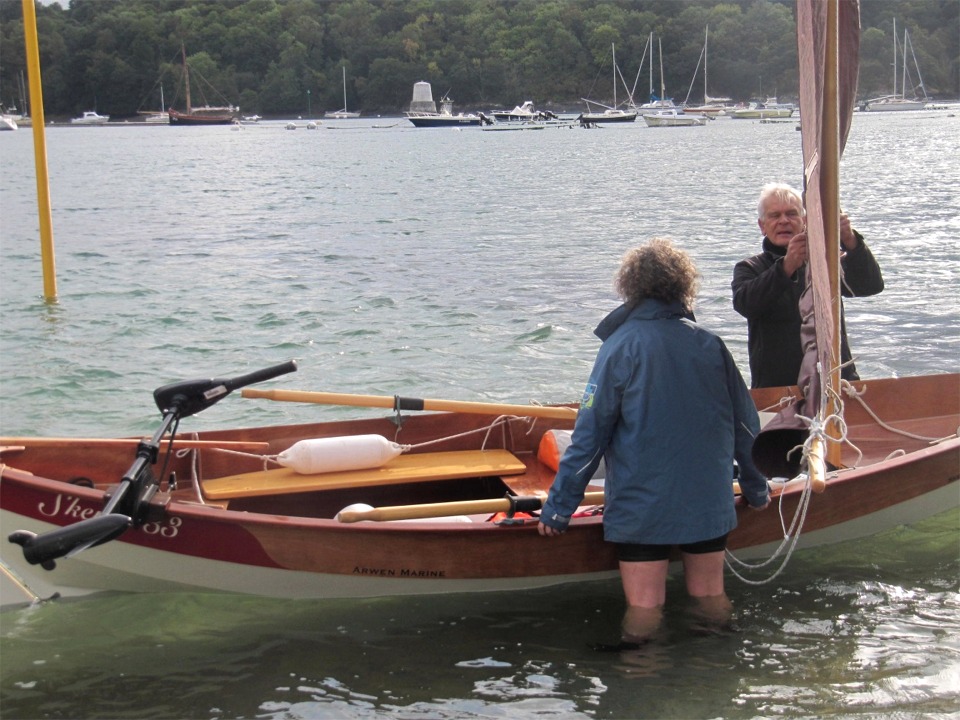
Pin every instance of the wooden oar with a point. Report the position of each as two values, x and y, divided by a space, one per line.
465 507
399 403
121 443
28 594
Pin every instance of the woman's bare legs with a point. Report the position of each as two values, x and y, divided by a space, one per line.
645 588
703 573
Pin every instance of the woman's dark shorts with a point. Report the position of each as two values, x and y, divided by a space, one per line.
630 552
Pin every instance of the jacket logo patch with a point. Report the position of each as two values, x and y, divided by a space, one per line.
588 394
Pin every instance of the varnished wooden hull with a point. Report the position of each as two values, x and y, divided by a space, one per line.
290 545
179 118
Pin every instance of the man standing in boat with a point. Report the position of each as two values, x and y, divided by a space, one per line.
668 411
767 287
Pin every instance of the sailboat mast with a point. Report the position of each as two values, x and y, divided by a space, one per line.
186 77
903 75
344 88
651 67
663 92
706 35
613 54
830 202
894 56
906 41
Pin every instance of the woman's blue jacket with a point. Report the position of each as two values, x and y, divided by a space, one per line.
668 411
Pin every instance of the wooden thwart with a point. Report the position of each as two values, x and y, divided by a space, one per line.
421 467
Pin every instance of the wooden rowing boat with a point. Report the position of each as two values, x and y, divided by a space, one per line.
454 515
452 506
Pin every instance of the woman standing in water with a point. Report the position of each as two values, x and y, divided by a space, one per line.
668 411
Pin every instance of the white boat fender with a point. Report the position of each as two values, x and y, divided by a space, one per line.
335 454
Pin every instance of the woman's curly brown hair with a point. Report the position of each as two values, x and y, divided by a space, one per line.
658 270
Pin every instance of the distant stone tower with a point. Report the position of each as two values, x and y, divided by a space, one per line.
422 98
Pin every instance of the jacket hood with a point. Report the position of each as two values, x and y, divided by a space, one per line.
646 309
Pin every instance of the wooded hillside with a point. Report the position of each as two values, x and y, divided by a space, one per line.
285 57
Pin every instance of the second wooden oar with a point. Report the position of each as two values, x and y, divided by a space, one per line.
465 507
401 403
122 443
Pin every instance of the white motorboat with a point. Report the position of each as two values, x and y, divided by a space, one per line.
674 118
90 118
423 110
520 112
762 111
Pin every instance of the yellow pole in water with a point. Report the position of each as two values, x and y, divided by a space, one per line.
40 150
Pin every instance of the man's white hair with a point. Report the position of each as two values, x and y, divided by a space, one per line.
780 191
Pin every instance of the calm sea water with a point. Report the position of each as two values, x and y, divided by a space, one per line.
465 265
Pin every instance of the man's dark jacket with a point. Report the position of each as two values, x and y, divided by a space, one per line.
764 295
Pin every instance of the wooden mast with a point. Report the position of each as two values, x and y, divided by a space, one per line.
186 77
830 198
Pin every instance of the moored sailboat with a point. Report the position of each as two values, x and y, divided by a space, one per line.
342 113
205 115
712 106
898 102
657 103
598 113
156 117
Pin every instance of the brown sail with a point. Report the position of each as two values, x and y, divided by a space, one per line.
828 41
